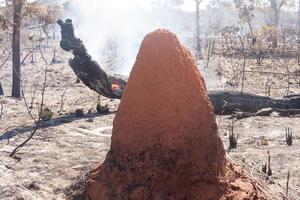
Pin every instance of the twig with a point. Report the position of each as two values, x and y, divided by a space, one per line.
6 59
287 186
27 107
28 54
62 99
42 55
37 122
1 108
269 172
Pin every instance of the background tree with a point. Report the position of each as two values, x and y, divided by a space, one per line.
245 11
16 66
198 40
44 14
298 25
1 89
276 7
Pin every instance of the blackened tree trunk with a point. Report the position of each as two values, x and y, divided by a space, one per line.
299 32
86 69
16 66
1 90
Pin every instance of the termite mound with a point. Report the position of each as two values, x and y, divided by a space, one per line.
165 143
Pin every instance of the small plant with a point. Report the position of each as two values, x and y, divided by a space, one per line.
289 136
266 168
233 138
1 90
54 60
102 109
79 113
287 186
269 172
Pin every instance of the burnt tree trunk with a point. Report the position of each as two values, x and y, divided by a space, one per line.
16 65
225 102
87 70
1 90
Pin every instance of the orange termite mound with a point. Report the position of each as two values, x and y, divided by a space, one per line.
165 144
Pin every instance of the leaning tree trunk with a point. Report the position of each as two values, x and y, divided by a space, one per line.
87 70
94 77
16 66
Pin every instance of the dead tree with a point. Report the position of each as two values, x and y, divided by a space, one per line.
198 41
17 11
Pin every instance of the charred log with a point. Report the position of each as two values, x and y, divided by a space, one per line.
112 86
231 102
287 112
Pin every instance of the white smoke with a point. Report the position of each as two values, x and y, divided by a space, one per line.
126 21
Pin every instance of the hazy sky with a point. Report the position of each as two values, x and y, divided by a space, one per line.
189 5
124 21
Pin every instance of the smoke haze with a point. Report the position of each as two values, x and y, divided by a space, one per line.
126 22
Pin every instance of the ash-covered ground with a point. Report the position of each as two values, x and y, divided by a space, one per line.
67 147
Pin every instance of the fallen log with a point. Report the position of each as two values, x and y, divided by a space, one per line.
287 112
112 86
229 102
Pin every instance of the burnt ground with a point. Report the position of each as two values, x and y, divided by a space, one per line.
67 147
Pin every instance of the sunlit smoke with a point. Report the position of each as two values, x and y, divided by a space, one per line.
127 22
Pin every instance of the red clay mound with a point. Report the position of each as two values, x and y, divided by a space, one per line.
165 143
